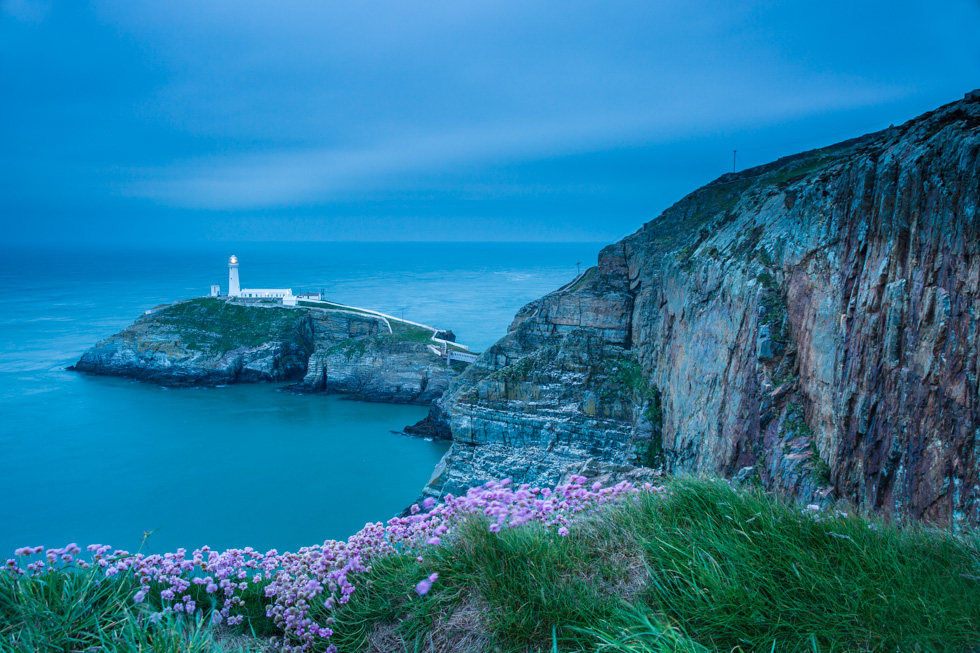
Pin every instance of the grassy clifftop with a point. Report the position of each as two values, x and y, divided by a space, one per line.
702 569
215 326
693 567
216 341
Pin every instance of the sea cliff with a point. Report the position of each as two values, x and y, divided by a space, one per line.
217 341
809 325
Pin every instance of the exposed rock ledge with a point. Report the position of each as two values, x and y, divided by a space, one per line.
211 342
810 325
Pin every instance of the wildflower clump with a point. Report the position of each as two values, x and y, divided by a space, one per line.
326 574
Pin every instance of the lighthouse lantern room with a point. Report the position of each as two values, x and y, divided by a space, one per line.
234 288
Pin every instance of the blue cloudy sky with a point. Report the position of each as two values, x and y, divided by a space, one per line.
197 120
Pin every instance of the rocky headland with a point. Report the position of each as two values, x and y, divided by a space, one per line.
217 341
809 325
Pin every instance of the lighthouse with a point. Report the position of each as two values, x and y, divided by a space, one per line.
234 289
284 296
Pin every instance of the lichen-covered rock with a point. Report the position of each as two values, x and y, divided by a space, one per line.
809 325
211 341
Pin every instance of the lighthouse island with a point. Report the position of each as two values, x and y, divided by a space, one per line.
250 335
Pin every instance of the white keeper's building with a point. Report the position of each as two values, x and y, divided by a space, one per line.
235 290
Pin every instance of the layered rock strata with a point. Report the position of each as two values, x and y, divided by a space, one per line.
809 325
210 341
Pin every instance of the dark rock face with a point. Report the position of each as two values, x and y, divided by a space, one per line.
214 342
810 324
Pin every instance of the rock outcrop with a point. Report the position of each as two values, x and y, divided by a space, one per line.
210 341
809 325
378 366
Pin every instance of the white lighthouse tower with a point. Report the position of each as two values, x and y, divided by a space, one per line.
234 288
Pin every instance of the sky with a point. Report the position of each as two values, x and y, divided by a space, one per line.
212 120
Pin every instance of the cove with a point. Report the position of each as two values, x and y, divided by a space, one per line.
244 465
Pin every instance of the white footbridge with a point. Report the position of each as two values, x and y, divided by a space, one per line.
452 355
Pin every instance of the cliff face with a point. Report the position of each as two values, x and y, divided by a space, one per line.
214 342
809 324
372 364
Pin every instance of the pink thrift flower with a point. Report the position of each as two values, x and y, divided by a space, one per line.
434 541
425 585
563 531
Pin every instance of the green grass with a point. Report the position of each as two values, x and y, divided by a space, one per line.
410 332
702 568
62 607
706 569
351 348
739 571
82 610
528 580
774 312
216 326
796 171
356 347
587 277
628 373
333 306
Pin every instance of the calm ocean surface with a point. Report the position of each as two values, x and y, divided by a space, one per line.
102 460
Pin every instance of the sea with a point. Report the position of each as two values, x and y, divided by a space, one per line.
137 466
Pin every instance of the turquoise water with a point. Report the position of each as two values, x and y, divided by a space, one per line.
88 459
